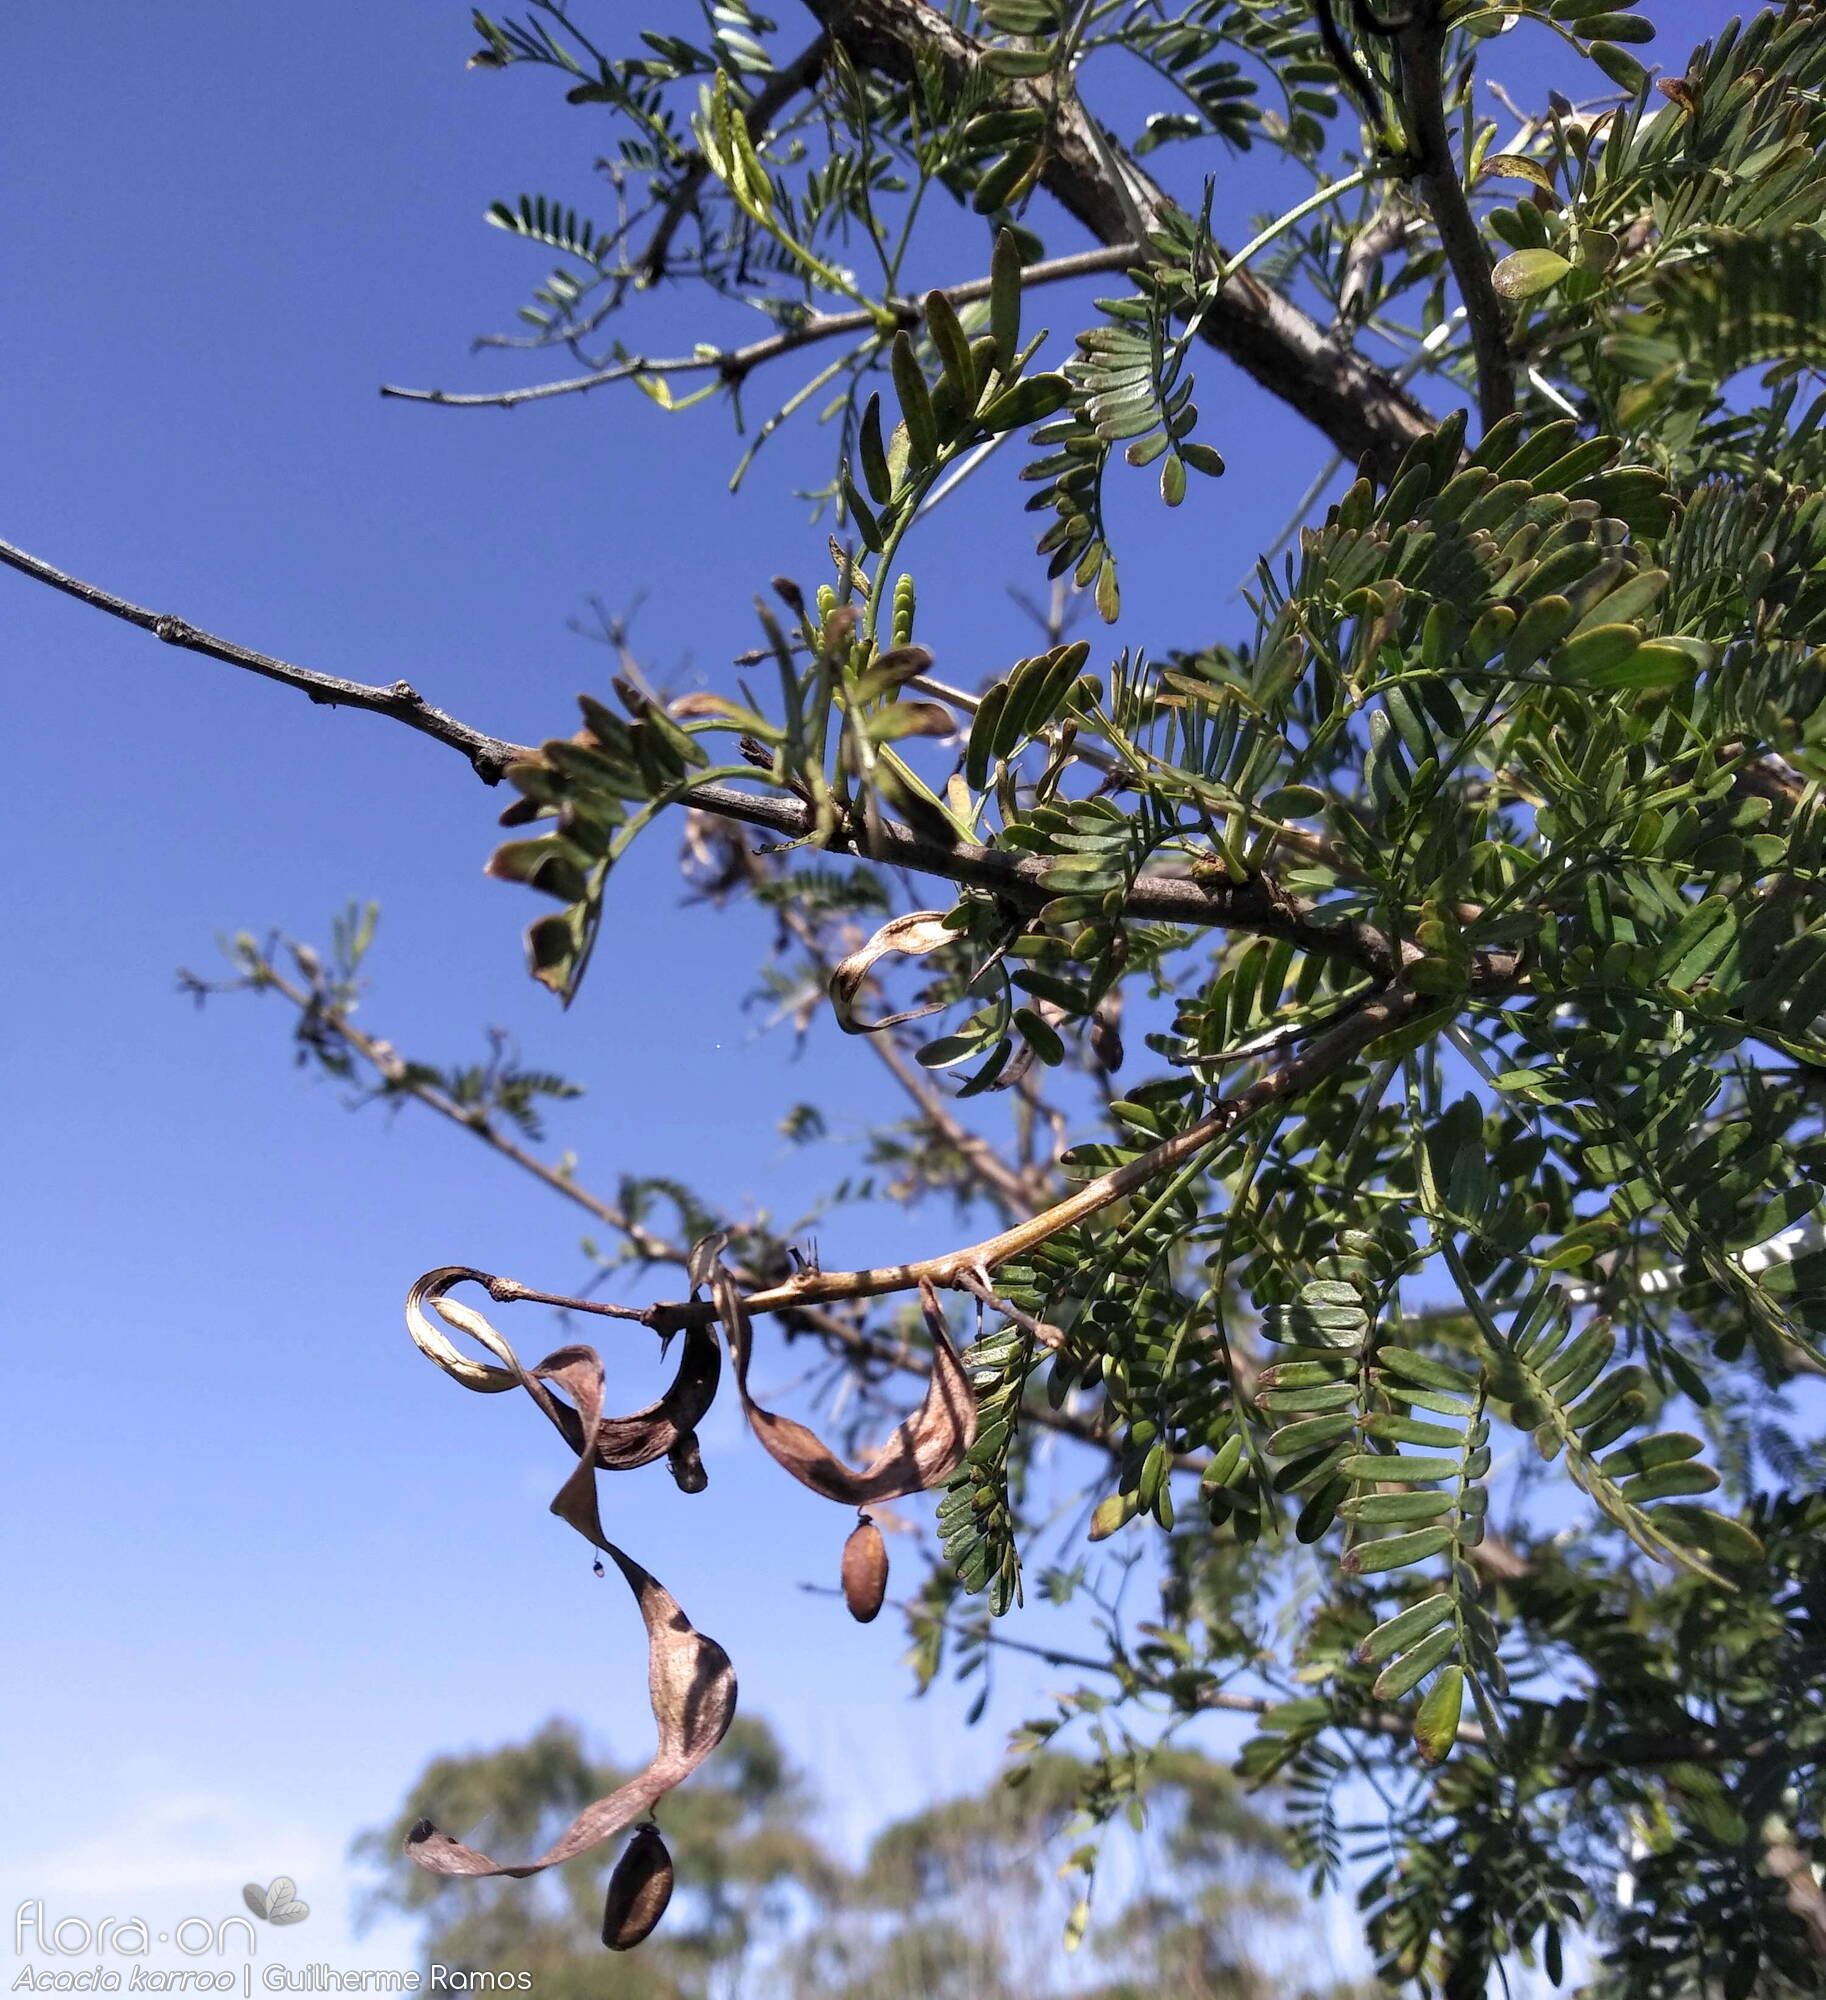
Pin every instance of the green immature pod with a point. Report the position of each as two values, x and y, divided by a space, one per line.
865 1571
639 1890
904 604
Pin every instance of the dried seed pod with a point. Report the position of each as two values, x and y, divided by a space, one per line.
639 1890
622 1443
924 1450
686 1464
865 1571
689 1679
912 935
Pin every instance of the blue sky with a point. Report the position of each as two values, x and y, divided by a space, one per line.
264 1561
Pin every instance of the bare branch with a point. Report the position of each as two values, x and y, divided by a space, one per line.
490 755
388 1063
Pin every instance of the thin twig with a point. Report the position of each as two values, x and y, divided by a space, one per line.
401 1078
735 364
490 755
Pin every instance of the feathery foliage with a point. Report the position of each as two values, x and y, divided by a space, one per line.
1434 1309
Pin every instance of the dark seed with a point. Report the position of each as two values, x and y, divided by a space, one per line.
687 1464
865 1571
639 1891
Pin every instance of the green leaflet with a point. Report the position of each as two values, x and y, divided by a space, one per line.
1436 1723
1393 1634
1397 1551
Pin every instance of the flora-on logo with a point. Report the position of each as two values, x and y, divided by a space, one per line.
278 1902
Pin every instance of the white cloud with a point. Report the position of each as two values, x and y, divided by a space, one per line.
172 1853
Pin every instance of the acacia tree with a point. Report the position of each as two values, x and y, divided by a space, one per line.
1467 903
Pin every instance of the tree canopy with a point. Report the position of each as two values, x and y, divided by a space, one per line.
1433 1304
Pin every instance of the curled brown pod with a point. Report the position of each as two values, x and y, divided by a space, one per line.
639 1890
923 1450
865 1570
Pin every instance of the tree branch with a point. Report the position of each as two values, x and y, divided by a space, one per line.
401 702
1339 1044
1256 905
1362 409
735 364
856 1343
1419 49
1358 406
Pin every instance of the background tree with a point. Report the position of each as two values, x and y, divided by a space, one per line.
739 1838
952 1902
1467 902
